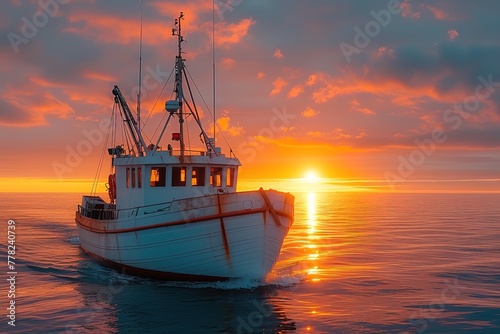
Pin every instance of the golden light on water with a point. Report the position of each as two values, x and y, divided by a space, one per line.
312 238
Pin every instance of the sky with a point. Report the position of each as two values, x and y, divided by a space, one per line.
386 95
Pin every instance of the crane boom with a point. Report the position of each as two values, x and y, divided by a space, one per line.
130 120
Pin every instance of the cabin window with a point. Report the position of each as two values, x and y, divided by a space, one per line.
132 174
178 176
128 177
198 176
158 176
216 176
230 177
139 177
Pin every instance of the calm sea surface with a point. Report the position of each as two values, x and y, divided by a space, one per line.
352 263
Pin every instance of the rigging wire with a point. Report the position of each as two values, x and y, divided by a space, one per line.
126 135
188 136
208 109
113 139
157 99
101 159
165 113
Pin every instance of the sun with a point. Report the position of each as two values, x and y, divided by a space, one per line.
311 176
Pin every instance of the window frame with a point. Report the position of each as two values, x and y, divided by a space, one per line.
161 175
177 176
199 177
216 176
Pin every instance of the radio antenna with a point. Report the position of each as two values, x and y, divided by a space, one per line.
213 61
140 76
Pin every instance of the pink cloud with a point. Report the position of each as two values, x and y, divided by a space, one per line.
382 51
452 34
227 62
408 10
437 12
278 54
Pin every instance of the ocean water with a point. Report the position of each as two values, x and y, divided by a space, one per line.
352 263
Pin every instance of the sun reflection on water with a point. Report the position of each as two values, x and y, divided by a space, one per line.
312 238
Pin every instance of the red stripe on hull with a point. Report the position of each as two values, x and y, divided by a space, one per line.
84 222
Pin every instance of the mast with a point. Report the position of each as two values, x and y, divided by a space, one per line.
179 68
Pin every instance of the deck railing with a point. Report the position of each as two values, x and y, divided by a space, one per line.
102 213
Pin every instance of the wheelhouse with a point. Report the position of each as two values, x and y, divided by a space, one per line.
161 177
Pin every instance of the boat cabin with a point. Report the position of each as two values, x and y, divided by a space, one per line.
160 177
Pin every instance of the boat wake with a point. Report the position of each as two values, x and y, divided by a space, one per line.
54 272
74 240
239 283
279 278
89 271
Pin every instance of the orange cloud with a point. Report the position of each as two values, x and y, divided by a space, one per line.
227 34
328 87
329 91
356 106
99 76
310 112
25 108
278 86
296 91
311 80
105 28
224 125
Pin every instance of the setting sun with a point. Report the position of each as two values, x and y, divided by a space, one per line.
311 176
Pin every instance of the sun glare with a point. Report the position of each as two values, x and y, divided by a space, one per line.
311 176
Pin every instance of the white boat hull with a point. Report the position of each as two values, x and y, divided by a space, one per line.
215 237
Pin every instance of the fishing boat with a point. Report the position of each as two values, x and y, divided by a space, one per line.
176 213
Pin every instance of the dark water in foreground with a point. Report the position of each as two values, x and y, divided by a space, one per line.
352 263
